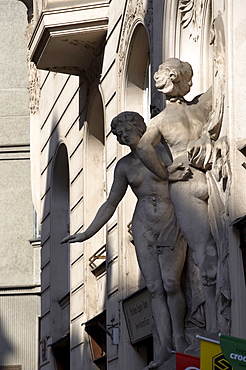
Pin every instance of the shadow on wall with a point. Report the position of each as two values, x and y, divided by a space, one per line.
6 348
55 298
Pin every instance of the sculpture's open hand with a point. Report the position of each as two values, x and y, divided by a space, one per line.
75 238
199 152
178 172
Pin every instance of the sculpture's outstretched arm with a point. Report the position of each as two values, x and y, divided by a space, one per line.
108 208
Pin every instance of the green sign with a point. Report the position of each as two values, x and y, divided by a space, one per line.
234 350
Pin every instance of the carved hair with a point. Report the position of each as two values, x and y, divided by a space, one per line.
133 118
180 74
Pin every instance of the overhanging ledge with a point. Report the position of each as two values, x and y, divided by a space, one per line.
67 40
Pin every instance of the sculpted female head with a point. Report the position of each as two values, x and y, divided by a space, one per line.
133 119
174 77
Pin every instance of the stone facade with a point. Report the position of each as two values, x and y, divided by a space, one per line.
20 247
94 60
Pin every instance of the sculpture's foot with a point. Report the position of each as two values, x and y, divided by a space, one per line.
163 356
154 364
166 365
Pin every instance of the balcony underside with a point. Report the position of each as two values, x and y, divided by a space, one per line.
68 40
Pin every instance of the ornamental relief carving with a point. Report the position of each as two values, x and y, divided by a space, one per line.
192 15
135 12
33 76
34 88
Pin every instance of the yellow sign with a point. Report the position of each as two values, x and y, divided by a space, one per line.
212 357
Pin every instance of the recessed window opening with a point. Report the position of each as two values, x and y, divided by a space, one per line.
98 340
94 161
60 256
61 218
137 96
147 95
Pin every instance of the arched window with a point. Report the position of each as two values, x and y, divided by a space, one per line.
94 196
94 160
137 94
60 259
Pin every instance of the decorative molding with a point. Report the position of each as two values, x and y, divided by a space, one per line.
218 42
192 15
14 152
33 76
34 88
135 13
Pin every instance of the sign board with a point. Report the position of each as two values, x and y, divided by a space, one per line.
234 350
138 316
212 357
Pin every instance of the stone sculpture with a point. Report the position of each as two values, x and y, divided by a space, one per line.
160 247
219 178
187 129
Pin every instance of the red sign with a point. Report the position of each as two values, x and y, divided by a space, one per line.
187 362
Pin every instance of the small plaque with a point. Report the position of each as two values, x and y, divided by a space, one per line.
138 316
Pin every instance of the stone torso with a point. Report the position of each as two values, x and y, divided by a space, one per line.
152 193
179 123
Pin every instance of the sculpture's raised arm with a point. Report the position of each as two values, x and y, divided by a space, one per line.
147 154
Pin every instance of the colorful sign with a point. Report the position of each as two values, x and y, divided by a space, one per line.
187 362
212 357
234 350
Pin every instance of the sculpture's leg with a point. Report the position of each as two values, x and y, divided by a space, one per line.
172 263
189 199
150 269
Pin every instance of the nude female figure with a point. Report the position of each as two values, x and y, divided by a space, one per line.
160 248
184 127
